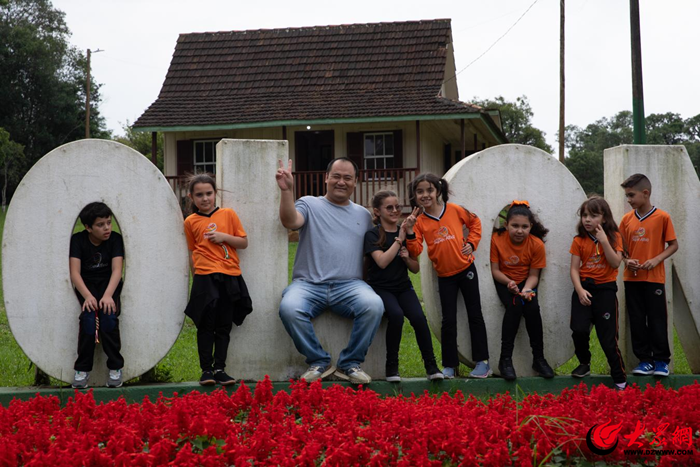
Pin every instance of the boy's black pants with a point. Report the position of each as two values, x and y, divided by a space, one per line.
109 337
646 308
517 308
466 282
603 313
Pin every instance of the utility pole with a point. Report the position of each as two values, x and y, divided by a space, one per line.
640 136
561 81
87 95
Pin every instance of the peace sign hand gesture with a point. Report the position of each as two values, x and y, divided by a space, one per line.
284 177
411 219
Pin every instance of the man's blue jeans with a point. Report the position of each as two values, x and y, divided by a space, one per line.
303 301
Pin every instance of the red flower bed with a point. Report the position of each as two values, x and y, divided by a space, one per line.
341 426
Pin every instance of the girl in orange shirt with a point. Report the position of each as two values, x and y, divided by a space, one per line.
441 224
596 253
219 295
517 257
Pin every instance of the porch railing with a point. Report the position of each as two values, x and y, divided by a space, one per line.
179 186
311 183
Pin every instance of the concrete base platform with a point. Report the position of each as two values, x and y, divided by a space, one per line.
479 388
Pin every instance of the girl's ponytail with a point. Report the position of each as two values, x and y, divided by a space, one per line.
444 189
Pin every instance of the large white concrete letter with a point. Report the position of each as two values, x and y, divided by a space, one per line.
484 183
676 190
42 308
245 174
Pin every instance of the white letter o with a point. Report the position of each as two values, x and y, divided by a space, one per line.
42 308
484 183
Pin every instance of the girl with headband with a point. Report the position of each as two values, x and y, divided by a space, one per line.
517 257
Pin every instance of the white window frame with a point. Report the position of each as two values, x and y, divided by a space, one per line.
376 157
201 167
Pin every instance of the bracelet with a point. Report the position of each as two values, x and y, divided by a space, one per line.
398 240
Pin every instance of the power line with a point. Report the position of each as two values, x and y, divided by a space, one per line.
495 42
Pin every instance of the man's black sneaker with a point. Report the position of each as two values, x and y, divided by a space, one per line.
207 378
584 369
223 379
542 368
505 367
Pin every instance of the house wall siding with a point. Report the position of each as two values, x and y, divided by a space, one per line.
434 135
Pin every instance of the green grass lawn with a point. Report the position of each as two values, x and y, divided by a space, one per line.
182 363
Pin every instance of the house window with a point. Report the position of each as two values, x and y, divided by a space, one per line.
205 156
379 151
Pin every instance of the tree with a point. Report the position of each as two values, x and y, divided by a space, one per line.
42 80
586 146
11 158
668 128
516 121
142 142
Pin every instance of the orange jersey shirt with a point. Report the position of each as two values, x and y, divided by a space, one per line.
515 261
208 257
594 264
646 238
445 239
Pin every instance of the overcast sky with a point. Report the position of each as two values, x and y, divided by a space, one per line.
138 38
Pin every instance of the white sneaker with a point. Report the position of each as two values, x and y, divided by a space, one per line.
316 372
115 379
80 380
355 375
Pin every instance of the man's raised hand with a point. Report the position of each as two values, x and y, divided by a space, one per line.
284 177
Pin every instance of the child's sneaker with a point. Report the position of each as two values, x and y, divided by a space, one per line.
207 378
392 373
542 368
481 370
505 367
223 379
80 380
643 369
115 379
620 386
584 369
660 368
433 372
449 372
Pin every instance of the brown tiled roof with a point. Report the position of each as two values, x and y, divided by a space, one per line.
323 72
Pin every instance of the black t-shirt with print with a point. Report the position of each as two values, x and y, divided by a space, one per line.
394 277
95 261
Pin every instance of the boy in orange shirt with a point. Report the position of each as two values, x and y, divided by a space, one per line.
650 238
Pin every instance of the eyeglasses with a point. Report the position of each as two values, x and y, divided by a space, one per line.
393 208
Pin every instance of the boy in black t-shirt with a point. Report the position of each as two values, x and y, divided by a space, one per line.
96 260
